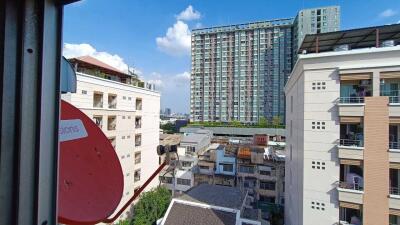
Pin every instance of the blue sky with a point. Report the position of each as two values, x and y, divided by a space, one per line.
154 36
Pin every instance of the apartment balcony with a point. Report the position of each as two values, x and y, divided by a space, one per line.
351 184
350 214
351 149
350 192
98 100
138 122
394 143
112 101
111 123
351 106
394 198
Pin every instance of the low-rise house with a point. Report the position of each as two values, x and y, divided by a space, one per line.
179 177
209 204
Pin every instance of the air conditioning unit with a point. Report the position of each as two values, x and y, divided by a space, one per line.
340 48
388 43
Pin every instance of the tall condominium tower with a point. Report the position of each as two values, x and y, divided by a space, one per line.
239 71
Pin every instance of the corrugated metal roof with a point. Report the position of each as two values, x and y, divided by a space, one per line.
355 38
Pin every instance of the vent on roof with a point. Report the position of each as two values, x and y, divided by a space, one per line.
339 48
388 43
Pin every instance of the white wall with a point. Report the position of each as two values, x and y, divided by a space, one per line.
125 128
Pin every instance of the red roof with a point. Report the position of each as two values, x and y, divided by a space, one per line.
95 62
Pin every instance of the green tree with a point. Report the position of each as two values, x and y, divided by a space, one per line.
235 123
276 121
151 206
169 128
262 122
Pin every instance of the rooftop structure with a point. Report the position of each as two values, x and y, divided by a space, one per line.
208 204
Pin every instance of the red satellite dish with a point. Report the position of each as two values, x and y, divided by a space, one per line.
90 175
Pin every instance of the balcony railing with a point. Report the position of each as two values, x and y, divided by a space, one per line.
394 191
350 186
351 143
394 145
351 100
394 96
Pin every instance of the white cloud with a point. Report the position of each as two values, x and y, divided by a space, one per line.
387 13
176 41
181 79
189 14
114 60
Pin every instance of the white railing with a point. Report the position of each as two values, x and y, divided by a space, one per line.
394 145
351 100
351 143
350 186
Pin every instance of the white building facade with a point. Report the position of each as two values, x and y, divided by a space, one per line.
129 117
340 168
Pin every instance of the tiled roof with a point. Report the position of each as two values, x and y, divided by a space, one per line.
95 62
183 214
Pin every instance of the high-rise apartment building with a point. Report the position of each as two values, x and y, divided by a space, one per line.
239 71
127 114
343 127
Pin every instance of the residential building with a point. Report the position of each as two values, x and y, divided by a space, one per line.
314 21
127 114
239 71
209 204
179 177
342 119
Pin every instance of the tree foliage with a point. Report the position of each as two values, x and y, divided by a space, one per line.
169 128
276 120
263 122
151 206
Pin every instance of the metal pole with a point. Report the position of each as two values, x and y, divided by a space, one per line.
30 56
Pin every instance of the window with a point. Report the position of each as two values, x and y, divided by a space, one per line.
98 120
183 181
111 122
112 101
112 141
97 100
137 175
318 165
138 104
291 128
227 167
204 167
318 125
190 149
166 180
267 185
265 172
318 205
84 92
138 140
138 157
267 199
186 164
138 122
246 169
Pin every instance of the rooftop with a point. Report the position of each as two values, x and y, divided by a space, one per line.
245 26
193 138
183 214
369 37
215 195
170 139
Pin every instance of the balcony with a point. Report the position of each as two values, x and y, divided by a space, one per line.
112 101
99 121
138 140
351 184
138 122
98 100
350 216
351 135
138 105
111 122
394 189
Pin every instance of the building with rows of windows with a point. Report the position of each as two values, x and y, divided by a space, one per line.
127 114
239 71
